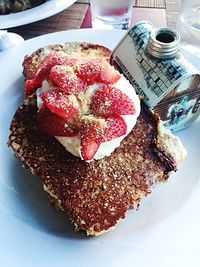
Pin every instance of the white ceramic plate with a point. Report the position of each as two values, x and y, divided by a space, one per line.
43 11
163 232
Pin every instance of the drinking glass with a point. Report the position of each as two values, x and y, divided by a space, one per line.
111 14
188 23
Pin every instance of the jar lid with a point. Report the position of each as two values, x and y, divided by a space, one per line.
163 43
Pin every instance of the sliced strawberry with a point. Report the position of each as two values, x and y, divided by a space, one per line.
91 134
53 125
108 73
63 105
43 70
94 131
116 127
110 101
31 86
88 150
66 80
96 69
48 62
88 69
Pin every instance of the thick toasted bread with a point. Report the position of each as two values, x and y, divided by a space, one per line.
94 195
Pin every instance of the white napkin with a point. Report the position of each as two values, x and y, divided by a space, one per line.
8 39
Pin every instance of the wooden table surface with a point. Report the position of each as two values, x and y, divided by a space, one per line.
78 16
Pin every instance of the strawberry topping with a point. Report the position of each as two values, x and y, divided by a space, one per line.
89 70
66 80
44 68
65 106
94 131
69 109
94 69
31 86
109 101
53 125
116 127
71 73
108 73
91 134
47 63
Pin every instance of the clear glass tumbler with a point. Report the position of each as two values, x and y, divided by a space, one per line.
188 22
111 14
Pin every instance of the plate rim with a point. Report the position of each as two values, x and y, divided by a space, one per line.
135 243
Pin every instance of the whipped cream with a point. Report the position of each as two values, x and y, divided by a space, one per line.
72 144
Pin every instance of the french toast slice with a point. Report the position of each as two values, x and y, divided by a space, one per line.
95 195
